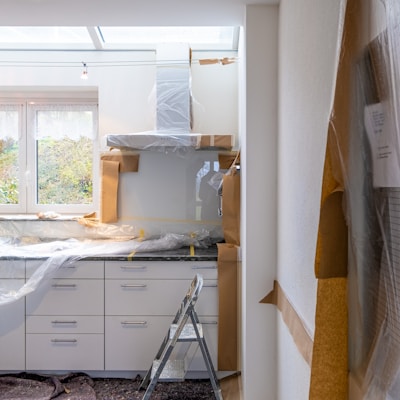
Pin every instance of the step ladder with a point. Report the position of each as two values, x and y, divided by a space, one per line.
185 327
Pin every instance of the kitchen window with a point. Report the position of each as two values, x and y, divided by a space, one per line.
47 153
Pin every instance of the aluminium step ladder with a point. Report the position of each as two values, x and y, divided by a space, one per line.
185 327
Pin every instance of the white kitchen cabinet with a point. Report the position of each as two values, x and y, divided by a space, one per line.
141 300
65 319
12 317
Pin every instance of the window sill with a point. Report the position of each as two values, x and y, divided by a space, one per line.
35 217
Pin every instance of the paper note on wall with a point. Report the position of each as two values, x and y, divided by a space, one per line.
381 135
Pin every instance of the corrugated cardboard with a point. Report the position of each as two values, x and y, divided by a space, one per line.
217 141
111 166
228 307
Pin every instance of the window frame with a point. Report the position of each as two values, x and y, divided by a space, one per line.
27 157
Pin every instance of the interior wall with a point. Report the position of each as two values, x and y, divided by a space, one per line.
308 50
259 194
127 105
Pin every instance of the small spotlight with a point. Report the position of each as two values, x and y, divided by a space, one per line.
84 72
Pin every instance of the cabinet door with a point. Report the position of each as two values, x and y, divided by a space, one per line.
12 329
131 342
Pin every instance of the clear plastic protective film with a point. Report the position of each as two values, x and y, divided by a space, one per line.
368 153
55 254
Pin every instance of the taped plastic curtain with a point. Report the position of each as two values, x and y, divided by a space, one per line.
364 154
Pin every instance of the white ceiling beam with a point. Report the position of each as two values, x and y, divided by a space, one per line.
96 37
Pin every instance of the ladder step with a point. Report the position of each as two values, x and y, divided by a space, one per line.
188 333
173 371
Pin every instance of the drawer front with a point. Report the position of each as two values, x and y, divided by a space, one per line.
12 269
67 297
12 336
64 352
194 356
143 337
75 270
132 342
156 297
64 324
160 269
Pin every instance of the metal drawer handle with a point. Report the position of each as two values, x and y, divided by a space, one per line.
210 285
59 285
209 322
133 267
63 322
64 340
204 267
133 322
133 285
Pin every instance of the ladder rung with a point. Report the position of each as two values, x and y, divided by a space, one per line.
173 371
188 333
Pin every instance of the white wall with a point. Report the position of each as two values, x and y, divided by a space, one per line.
162 195
259 204
308 46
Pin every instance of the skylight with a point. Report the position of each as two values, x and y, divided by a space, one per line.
123 38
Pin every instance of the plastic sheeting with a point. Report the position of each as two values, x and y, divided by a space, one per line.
170 140
61 253
366 153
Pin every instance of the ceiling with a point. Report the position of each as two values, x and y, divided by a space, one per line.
125 12
116 37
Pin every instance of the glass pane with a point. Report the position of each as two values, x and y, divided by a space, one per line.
44 34
9 155
64 157
211 35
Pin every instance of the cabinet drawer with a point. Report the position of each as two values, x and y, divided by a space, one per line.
64 352
12 269
67 297
160 269
76 270
132 342
64 324
156 297
12 335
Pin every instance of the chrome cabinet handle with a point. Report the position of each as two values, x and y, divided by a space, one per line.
59 285
64 341
63 322
204 267
209 322
133 285
133 322
133 267
210 285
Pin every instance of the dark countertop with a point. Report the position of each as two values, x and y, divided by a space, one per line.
183 254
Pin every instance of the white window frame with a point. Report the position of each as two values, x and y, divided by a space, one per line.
27 160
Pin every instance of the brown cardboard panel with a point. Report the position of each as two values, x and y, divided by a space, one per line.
218 141
231 387
127 162
109 191
226 161
228 307
231 207
329 369
331 257
293 321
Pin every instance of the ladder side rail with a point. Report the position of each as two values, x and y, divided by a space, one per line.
206 357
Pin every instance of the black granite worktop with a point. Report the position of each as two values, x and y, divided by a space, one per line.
182 254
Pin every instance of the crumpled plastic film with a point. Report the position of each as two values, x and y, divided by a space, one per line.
366 154
57 254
